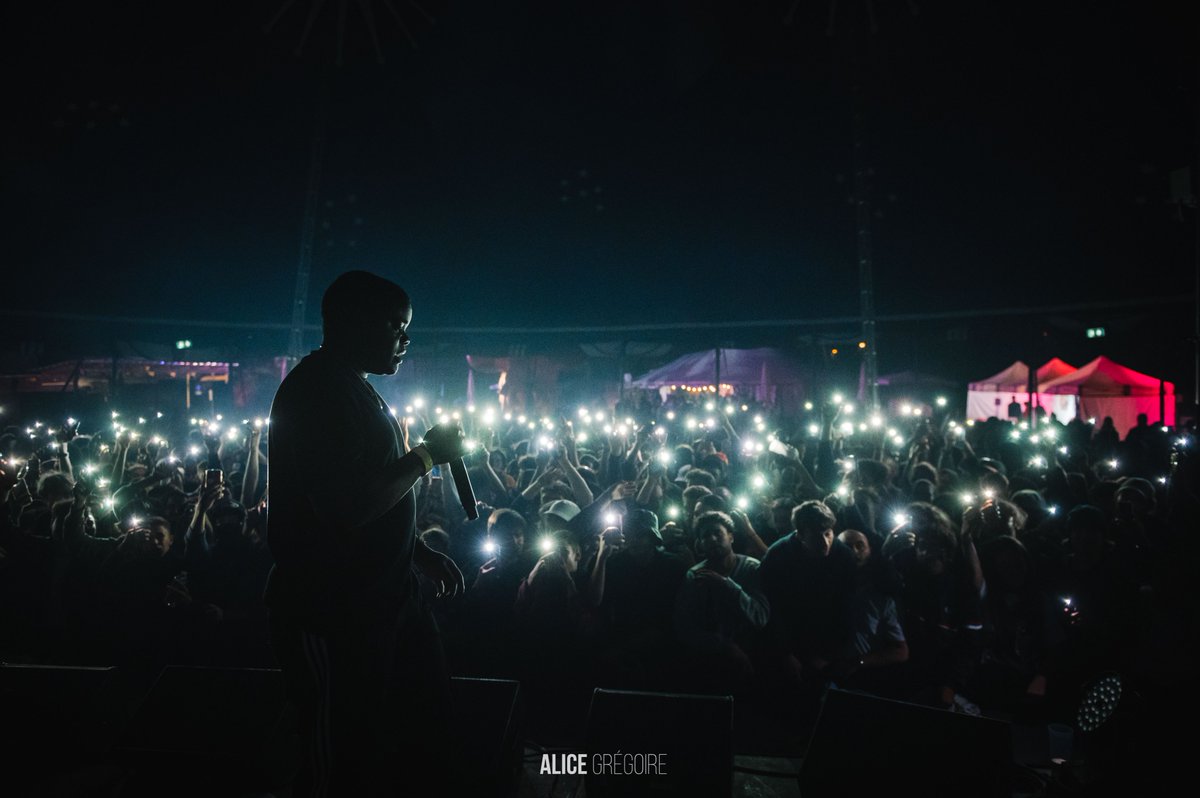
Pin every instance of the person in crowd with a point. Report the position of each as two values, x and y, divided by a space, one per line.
808 576
632 584
941 599
879 638
720 604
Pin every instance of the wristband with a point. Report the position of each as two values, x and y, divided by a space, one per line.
426 460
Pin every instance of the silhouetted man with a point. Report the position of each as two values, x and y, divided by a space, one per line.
361 655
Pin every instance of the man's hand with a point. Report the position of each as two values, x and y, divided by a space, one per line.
445 443
712 577
20 494
210 496
611 541
440 570
624 490
67 432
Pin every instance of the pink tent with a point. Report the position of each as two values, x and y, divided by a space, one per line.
989 397
1105 388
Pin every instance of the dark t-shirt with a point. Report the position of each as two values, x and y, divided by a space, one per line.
330 435
640 597
811 597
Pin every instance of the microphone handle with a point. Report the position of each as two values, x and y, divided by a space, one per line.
462 484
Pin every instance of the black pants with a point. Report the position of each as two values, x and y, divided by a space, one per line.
372 704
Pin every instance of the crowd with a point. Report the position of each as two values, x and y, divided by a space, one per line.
700 544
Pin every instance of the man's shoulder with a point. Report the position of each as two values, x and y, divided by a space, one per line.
314 384
747 563
313 369
781 548
669 562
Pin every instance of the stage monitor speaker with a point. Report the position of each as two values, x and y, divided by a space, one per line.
690 737
488 719
66 706
212 726
863 745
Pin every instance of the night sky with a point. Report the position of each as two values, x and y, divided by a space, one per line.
596 163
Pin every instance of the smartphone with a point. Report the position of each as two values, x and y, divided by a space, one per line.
214 476
779 447
436 472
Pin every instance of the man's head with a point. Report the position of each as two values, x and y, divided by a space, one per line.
365 317
858 544
936 535
564 546
160 533
714 535
508 528
781 515
814 523
641 531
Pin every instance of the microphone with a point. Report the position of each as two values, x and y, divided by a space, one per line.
462 485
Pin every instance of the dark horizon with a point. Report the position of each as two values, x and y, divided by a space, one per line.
1017 160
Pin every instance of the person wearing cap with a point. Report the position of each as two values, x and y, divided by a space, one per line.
557 514
720 605
633 583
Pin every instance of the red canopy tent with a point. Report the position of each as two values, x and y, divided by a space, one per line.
1106 388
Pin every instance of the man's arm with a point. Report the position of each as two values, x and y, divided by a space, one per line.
250 478
195 540
579 488
357 503
751 602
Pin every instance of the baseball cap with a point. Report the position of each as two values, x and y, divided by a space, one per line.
642 520
563 508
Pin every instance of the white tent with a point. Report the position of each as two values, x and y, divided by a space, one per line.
990 397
